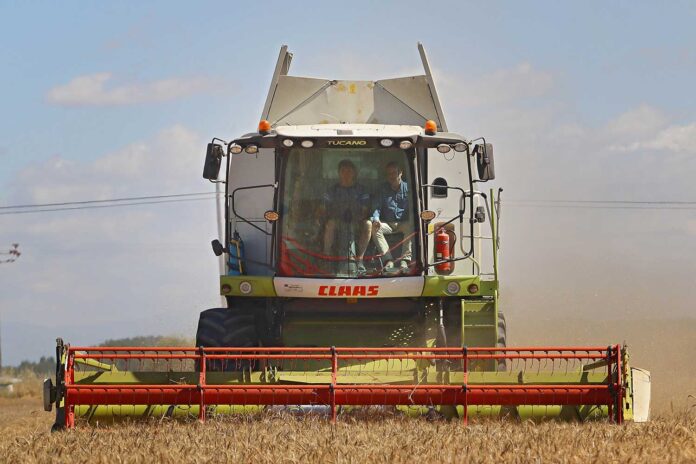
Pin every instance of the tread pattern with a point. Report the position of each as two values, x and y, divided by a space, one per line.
502 339
226 327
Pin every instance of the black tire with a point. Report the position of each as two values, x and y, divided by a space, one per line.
226 327
502 339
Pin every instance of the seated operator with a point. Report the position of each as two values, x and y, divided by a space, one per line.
391 216
346 204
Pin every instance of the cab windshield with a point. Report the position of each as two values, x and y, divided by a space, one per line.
347 213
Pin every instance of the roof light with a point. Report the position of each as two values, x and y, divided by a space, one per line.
430 127
443 148
307 144
472 288
460 146
288 143
386 142
264 127
405 144
251 149
235 149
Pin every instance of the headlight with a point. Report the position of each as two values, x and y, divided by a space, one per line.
453 288
307 144
386 142
443 148
251 149
460 146
235 149
245 287
288 143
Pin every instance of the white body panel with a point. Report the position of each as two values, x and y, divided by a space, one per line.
358 130
641 394
349 288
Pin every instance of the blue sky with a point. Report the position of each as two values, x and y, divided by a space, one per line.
592 100
605 56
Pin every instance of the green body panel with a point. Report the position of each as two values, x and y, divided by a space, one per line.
116 413
437 285
378 373
479 327
260 285
628 396
377 331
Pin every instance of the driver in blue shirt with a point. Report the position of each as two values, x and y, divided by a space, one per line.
392 216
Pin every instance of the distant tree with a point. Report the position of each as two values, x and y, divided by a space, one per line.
149 340
45 365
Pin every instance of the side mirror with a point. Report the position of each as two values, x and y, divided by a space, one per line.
213 159
218 249
484 161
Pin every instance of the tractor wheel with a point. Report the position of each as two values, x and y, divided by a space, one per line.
502 339
226 327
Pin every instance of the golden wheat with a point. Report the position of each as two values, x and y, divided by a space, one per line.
377 437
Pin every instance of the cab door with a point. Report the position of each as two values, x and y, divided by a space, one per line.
249 179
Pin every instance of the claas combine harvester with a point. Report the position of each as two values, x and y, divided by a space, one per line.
361 268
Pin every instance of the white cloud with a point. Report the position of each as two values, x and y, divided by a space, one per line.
640 122
678 139
94 90
503 86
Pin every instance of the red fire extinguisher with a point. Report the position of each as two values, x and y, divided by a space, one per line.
442 251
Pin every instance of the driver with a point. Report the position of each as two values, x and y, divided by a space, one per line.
391 216
346 204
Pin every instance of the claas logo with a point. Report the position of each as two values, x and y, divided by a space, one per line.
348 290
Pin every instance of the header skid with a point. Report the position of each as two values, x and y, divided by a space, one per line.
293 100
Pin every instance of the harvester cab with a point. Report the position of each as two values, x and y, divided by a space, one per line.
358 218
361 268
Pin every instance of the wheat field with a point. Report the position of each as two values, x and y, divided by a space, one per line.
379 436
375 437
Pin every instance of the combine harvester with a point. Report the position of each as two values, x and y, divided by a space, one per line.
361 269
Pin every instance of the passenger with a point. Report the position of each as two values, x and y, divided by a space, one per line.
346 203
391 216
